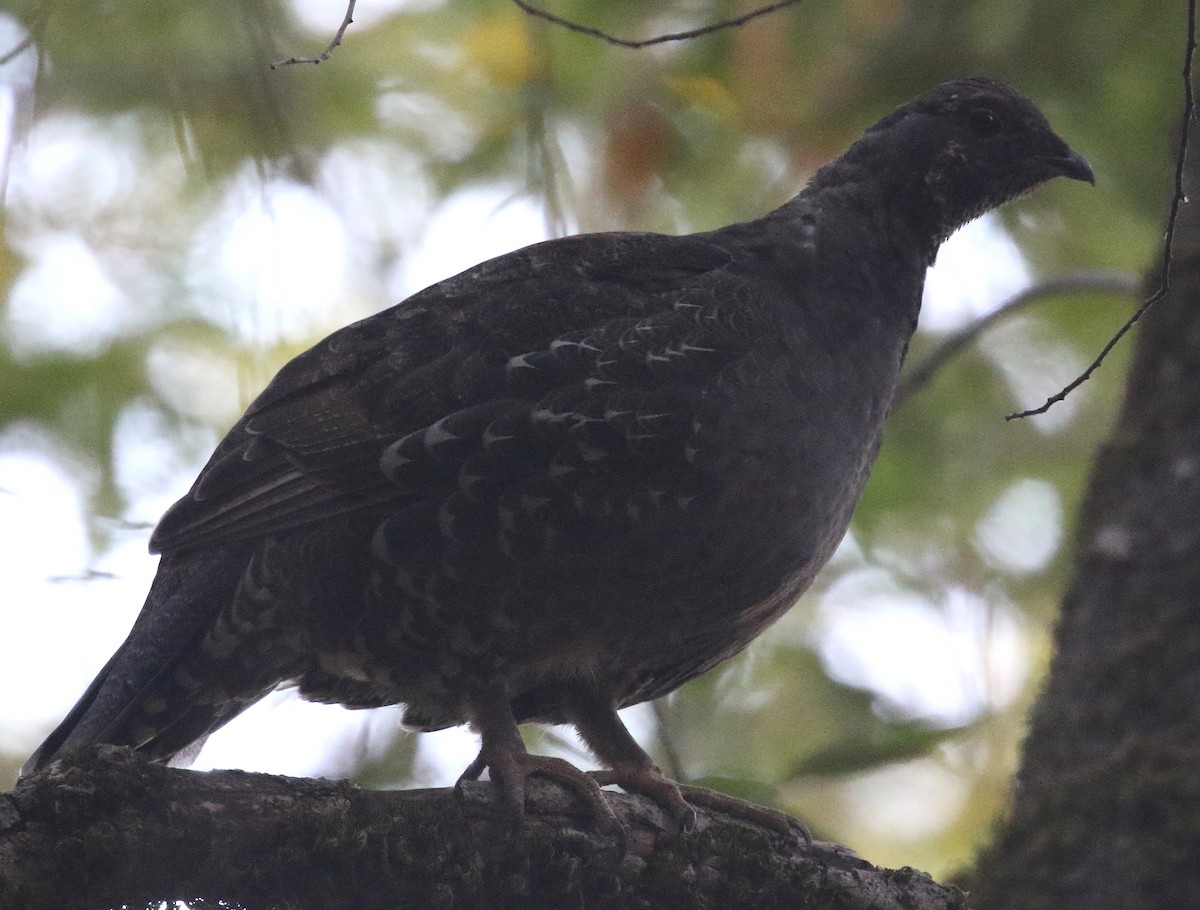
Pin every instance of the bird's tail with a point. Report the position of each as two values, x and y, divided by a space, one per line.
140 697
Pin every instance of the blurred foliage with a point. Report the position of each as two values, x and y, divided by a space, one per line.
140 130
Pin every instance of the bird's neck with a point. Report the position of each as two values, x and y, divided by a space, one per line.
849 224
853 254
896 199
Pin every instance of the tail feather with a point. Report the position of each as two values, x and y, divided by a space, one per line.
124 705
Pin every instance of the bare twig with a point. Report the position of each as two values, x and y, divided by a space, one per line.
328 52
1084 281
1164 286
87 575
658 39
16 51
36 25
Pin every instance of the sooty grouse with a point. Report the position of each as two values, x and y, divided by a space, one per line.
568 479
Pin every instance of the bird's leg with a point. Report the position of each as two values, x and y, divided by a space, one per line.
509 763
631 769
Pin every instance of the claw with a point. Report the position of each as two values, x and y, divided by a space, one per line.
678 801
771 819
594 714
649 781
509 764
473 770
509 769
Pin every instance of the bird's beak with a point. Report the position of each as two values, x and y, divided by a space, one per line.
1072 165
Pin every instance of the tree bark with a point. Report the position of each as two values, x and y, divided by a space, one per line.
1106 811
115 830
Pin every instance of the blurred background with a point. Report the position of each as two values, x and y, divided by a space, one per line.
179 219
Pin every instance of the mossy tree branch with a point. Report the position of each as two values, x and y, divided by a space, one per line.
118 831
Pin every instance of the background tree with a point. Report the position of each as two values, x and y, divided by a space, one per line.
180 219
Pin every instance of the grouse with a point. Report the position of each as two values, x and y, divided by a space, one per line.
566 480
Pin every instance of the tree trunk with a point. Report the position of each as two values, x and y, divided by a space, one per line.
1106 812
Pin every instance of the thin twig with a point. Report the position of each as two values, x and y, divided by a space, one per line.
658 39
1164 286
328 52
87 575
22 45
1084 281
36 25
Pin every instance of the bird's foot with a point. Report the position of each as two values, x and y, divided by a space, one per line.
764 817
509 770
678 800
649 782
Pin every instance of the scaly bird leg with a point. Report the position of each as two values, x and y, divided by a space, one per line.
509 763
631 769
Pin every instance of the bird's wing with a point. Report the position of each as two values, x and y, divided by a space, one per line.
309 446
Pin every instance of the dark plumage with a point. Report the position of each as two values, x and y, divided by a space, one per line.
566 480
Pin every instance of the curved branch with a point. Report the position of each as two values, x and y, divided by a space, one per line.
658 39
33 34
17 49
1084 281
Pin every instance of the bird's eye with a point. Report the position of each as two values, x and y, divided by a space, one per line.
983 122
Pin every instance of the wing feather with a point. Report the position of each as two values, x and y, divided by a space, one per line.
309 447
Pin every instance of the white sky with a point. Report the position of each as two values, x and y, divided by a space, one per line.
282 249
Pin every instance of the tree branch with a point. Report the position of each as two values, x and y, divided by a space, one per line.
34 31
1164 287
116 830
17 49
328 52
658 39
1105 810
1076 282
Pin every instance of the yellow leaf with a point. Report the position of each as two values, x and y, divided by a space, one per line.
499 47
705 92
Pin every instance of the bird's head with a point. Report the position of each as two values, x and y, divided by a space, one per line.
962 149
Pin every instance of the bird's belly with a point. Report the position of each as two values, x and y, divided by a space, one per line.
639 599
637 577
